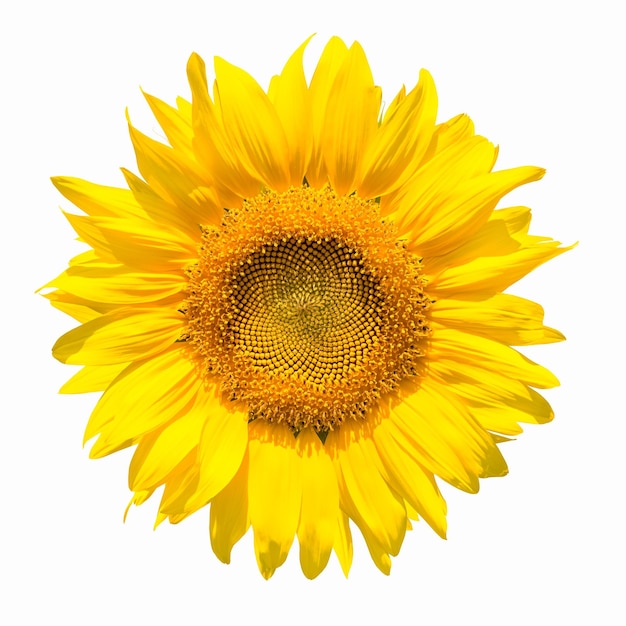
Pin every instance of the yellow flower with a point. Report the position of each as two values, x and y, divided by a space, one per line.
296 313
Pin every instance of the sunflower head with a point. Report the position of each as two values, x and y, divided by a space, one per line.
296 312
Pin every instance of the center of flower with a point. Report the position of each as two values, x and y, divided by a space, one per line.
305 309
304 306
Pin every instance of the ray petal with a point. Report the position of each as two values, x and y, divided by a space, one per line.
320 504
350 121
274 493
253 126
126 335
364 494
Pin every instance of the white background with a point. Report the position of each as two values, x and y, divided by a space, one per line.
544 545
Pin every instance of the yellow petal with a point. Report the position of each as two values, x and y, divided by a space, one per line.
139 245
476 447
364 494
498 237
421 200
137 499
80 309
453 133
253 125
274 493
465 210
503 317
89 258
445 220
455 130
181 481
222 445
98 200
146 395
350 121
492 274
498 402
414 483
289 94
343 543
118 284
123 336
394 105
379 555
452 344
437 429
175 125
330 62
421 440
400 141
229 519
320 504
159 454
92 378
163 213
210 143
175 179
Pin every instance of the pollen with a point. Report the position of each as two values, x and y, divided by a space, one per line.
306 307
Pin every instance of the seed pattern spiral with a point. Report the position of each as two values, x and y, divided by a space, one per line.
305 307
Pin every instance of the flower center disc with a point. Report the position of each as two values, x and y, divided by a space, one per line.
304 306
306 309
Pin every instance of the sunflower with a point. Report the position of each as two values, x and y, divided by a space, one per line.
296 311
